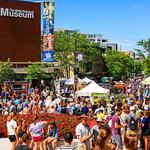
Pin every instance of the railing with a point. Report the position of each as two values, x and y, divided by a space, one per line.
20 67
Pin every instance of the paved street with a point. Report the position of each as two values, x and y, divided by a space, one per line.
4 144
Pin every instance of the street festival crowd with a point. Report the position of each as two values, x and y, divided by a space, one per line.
117 124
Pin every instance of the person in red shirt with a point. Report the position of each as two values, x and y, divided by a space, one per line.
35 109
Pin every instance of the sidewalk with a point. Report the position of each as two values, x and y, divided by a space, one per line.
4 144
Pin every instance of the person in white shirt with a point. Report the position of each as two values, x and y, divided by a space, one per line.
12 130
48 102
83 134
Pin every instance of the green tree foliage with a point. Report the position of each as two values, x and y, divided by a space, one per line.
146 65
6 71
144 54
144 51
138 67
63 50
119 65
67 45
36 72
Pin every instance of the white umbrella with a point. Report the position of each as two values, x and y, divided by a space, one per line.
71 81
146 81
86 80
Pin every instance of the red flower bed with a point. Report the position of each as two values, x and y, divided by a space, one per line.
64 122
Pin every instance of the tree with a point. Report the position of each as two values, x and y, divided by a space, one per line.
35 73
63 50
138 67
119 65
68 45
144 54
6 72
146 65
144 51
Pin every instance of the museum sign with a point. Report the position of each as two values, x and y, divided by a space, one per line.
9 12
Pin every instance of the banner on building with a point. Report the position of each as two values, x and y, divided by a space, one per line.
48 56
48 29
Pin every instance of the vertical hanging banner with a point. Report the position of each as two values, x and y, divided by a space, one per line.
48 31
48 56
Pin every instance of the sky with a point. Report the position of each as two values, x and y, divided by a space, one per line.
122 21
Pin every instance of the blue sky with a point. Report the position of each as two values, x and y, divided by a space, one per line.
121 21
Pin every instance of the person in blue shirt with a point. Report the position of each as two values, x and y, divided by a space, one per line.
145 121
85 109
53 137
16 101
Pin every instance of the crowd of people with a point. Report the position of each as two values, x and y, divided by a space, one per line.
117 123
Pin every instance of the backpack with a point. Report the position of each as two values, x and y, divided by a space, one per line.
132 123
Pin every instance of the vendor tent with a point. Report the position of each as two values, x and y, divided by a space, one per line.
146 81
92 88
71 81
86 80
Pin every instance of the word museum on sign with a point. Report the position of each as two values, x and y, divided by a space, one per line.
9 12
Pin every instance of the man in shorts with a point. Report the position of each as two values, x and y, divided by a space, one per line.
133 131
116 129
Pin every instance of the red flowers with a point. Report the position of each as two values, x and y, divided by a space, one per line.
64 122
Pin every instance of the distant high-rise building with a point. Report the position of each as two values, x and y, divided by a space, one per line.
96 38
107 45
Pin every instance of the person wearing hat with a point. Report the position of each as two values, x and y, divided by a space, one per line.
52 109
133 125
100 114
12 130
95 131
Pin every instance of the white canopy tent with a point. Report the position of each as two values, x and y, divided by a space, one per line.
71 81
86 80
92 88
146 81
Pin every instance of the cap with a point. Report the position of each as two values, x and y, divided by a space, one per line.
64 98
70 99
11 114
99 120
101 110
146 107
52 105
132 108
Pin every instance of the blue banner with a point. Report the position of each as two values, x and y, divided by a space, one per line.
48 56
48 26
